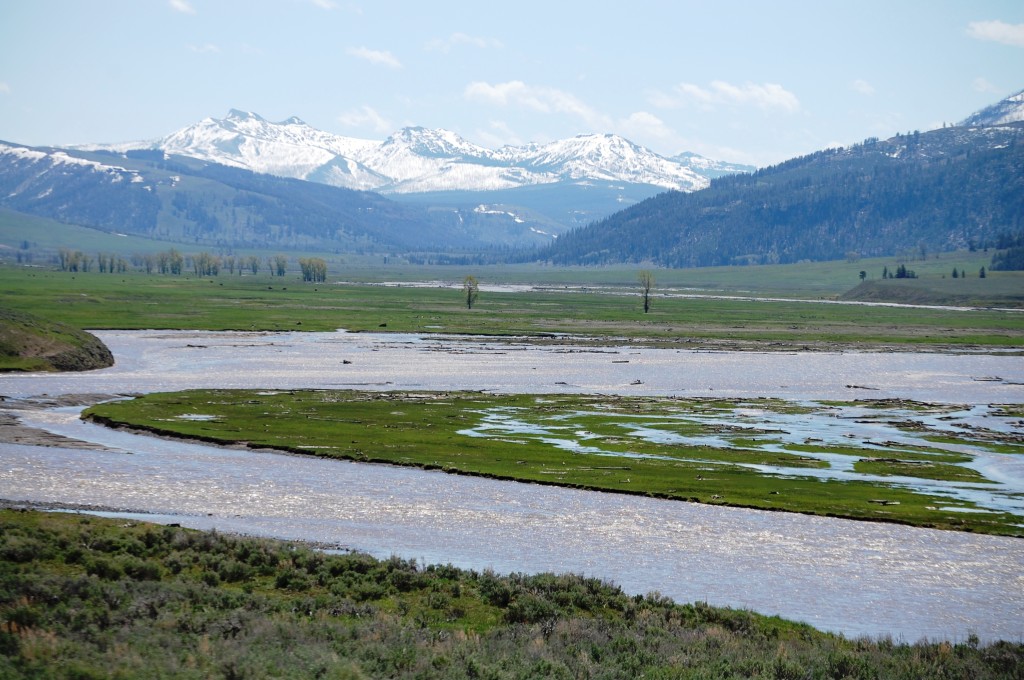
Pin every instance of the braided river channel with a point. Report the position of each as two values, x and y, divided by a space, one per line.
855 578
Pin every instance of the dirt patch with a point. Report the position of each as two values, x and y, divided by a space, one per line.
13 431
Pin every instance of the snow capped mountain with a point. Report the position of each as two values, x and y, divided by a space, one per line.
604 157
286 149
1009 110
709 168
436 144
416 159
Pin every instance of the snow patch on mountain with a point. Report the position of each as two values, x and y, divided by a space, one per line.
53 159
1009 110
709 168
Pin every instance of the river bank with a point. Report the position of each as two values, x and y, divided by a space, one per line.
852 577
136 599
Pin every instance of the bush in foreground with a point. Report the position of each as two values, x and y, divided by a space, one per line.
85 597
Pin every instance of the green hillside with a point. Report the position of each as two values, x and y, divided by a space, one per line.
29 343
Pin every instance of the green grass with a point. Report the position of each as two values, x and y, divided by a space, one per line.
137 301
473 433
44 237
85 597
29 343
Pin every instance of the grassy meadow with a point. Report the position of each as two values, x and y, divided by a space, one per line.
600 307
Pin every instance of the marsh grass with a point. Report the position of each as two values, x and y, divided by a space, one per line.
86 597
582 441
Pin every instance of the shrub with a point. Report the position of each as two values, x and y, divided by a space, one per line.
104 568
23 549
530 609
233 571
495 591
142 570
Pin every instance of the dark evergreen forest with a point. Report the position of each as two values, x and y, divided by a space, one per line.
922 192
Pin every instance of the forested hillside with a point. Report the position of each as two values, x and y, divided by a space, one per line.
951 188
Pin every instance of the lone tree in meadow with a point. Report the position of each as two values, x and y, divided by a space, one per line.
646 279
314 269
280 265
471 288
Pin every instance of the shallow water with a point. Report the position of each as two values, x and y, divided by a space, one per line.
170 360
871 432
852 577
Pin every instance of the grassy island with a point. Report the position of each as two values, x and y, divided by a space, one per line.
729 452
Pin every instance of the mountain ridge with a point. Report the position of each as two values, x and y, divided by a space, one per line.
954 187
951 188
417 159
1008 110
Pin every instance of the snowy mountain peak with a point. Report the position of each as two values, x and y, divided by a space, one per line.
1009 110
436 143
593 148
607 157
419 159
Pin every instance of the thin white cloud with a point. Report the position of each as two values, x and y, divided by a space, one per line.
538 99
183 6
380 57
5 88
366 117
207 48
499 134
324 4
766 96
446 45
642 125
983 85
997 31
863 87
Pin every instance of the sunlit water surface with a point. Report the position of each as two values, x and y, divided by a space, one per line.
852 577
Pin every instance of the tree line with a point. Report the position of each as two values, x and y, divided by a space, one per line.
174 263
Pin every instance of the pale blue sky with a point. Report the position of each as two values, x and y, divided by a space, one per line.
753 81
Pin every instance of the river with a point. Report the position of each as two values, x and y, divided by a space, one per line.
850 577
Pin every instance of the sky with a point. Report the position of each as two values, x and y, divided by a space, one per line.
745 81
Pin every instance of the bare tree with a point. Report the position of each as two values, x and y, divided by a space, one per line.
646 279
471 288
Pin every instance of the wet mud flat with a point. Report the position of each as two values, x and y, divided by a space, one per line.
14 431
